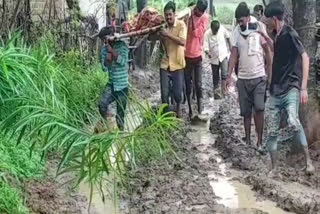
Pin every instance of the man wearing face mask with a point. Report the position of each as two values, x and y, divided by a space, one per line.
288 86
197 25
249 48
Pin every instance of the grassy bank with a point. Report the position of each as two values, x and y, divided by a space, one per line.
48 103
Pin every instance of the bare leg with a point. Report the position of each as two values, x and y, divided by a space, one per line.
247 128
259 121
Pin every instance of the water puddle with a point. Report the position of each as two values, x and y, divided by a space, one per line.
231 193
97 205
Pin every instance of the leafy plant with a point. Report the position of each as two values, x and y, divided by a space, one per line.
49 102
15 161
10 200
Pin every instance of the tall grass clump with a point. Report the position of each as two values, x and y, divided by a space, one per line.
50 102
10 200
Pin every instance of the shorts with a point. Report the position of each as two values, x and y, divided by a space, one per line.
252 93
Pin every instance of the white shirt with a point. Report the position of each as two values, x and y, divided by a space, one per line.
217 45
251 56
236 29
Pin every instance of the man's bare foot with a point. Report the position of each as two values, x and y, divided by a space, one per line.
248 141
274 173
178 115
309 168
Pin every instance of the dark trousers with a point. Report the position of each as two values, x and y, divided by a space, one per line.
108 97
176 79
193 76
193 66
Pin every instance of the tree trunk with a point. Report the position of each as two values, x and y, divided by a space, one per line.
140 57
318 10
212 9
304 22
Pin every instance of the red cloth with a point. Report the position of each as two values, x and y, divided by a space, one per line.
195 35
147 18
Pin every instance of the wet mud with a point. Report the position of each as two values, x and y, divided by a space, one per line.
54 195
215 171
293 190
200 181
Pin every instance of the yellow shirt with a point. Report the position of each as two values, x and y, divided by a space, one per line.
173 57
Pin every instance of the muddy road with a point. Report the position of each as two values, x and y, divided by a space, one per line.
292 190
216 173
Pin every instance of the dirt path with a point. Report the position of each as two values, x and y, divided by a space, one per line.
201 182
216 173
293 190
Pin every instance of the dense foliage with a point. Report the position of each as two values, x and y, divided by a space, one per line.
49 103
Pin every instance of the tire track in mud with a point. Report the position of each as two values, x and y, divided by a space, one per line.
293 190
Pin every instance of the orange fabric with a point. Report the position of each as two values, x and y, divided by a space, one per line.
147 18
195 35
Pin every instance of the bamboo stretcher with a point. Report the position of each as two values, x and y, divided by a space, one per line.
180 15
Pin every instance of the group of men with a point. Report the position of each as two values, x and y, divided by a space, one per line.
279 65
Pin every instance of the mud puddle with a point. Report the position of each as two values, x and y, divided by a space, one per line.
98 206
230 192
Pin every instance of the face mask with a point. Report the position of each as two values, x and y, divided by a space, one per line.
251 27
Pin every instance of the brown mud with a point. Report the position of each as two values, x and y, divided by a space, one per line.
197 183
54 195
215 172
293 190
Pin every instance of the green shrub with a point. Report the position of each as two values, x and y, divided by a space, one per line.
16 161
50 101
10 201
225 15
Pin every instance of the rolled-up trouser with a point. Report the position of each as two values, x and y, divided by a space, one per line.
109 96
216 72
251 95
193 65
290 102
177 78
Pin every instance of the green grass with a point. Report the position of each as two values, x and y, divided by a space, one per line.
16 164
49 102
10 200
16 161
225 14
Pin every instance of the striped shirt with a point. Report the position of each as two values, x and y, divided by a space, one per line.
118 70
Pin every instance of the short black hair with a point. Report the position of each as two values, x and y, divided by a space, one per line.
105 31
258 7
275 9
202 5
242 10
215 24
170 6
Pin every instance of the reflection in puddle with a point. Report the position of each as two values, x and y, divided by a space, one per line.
232 194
